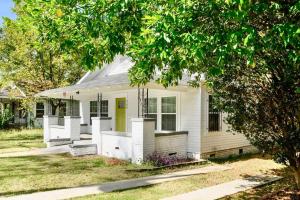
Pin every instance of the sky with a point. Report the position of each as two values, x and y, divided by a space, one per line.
5 10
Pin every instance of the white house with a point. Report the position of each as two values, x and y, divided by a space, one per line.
103 114
11 97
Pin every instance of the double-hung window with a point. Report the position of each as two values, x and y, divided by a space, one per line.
94 109
168 113
104 108
214 116
39 110
152 109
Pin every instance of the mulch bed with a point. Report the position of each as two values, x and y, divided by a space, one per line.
167 166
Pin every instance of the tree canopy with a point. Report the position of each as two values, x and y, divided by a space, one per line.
249 51
31 62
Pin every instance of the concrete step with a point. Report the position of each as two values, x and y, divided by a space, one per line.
58 142
82 142
83 149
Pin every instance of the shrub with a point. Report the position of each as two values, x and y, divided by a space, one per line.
5 117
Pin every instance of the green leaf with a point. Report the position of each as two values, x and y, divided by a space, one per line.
246 40
167 39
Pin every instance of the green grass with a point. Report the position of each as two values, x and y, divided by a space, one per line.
21 175
20 140
40 173
241 167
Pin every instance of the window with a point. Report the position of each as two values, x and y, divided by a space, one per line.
104 108
94 109
39 111
168 113
214 116
152 109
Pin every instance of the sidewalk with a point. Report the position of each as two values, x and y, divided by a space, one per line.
36 152
118 185
225 189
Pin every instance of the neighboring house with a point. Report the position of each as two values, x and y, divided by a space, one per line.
182 119
10 98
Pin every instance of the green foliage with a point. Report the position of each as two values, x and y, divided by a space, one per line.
32 62
5 117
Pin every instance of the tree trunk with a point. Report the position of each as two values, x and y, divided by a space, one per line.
54 106
297 177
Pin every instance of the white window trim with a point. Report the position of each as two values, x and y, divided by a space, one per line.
151 113
161 113
36 109
207 118
159 96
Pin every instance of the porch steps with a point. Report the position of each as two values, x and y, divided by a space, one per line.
83 149
82 142
58 142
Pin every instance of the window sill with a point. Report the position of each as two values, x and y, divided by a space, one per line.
170 133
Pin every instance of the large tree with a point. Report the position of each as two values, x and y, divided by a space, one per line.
33 63
249 51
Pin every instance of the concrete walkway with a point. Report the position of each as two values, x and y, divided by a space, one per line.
36 152
118 185
225 189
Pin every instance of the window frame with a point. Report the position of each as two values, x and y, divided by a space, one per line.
104 114
212 112
152 113
168 113
95 113
39 109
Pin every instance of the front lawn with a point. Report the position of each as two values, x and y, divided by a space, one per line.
242 167
39 173
20 140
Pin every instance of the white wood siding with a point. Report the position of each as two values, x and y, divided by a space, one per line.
190 119
172 144
216 141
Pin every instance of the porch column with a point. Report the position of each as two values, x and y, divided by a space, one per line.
143 139
99 124
48 121
96 134
84 111
72 127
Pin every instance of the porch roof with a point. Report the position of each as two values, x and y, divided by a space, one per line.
107 83
11 92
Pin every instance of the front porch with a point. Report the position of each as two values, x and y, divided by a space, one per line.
123 122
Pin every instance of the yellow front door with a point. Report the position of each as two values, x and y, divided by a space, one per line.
120 114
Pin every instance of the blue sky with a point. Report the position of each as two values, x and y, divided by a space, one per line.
5 10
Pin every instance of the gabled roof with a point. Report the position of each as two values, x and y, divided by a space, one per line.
11 91
110 75
120 65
